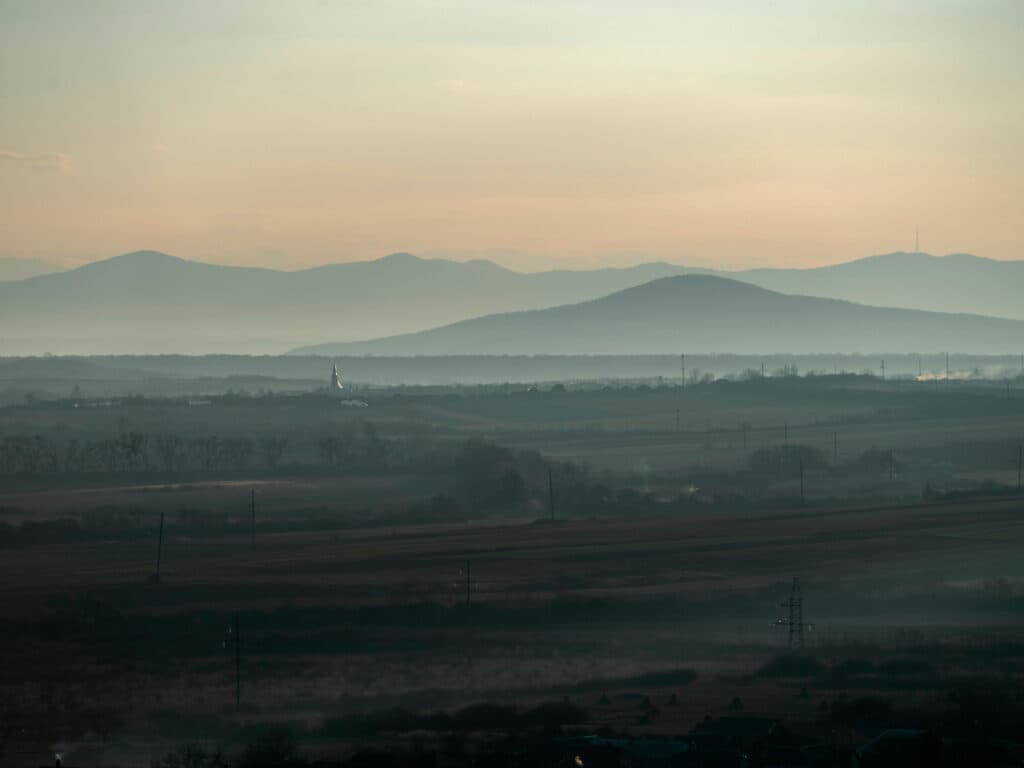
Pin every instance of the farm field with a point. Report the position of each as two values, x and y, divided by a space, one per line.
339 623
619 556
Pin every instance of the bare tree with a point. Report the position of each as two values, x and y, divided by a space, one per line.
273 449
207 452
172 452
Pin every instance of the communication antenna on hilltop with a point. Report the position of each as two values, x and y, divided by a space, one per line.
795 617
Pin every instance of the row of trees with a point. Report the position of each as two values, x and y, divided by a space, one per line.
358 448
137 452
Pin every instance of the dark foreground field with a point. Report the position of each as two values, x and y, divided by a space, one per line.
456 573
646 625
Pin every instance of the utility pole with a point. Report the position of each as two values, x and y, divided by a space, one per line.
238 664
159 550
682 369
801 480
883 370
892 465
551 495
785 433
677 419
1020 465
835 447
234 638
762 369
947 366
252 507
468 582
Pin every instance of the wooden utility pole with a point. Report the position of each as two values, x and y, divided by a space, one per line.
238 664
252 507
682 369
551 495
883 370
233 637
159 550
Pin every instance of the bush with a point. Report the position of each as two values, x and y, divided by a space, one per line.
791 665
193 756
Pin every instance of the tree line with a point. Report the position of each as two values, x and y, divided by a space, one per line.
138 452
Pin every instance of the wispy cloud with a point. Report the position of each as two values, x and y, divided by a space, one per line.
450 85
58 162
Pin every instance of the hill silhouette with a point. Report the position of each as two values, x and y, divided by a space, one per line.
150 302
21 269
958 282
702 314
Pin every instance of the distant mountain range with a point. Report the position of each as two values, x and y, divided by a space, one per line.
702 314
149 302
20 269
958 282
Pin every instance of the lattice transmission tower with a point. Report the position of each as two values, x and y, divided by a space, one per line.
795 618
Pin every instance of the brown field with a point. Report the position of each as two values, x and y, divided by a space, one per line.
360 620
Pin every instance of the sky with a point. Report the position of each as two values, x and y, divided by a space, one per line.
711 132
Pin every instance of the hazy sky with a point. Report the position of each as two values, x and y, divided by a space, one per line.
718 131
